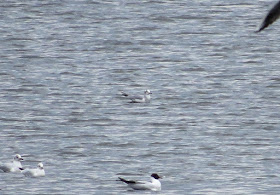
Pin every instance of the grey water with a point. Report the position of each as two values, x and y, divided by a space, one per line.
212 126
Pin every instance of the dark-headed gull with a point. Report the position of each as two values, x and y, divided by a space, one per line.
13 166
139 99
38 172
154 185
272 16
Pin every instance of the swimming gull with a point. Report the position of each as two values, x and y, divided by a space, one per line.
38 172
13 166
139 99
154 185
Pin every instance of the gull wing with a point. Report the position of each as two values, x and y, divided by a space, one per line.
142 185
136 97
5 167
272 16
127 181
132 181
124 94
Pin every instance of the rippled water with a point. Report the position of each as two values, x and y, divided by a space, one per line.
212 126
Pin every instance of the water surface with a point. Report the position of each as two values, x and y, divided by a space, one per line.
212 126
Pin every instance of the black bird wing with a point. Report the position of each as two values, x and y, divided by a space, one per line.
272 16
127 181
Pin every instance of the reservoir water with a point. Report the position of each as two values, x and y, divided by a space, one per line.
211 127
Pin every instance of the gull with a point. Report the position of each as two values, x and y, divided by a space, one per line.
38 172
13 166
139 99
272 16
154 185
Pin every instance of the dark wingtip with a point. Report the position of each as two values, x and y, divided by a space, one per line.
21 169
126 181
124 94
272 15
261 28
121 179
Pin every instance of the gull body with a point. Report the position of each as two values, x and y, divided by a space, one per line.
272 15
13 166
38 172
139 99
154 185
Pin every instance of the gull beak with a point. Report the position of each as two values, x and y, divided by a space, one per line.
161 177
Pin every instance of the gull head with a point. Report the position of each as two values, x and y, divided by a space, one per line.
147 92
156 176
18 158
40 166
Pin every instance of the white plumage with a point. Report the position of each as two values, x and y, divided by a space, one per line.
139 98
154 185
38 172
13 166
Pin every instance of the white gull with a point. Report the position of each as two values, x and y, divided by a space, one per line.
154 185
139 99
38 172
13 166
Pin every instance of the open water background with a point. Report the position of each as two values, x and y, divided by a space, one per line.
212 126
